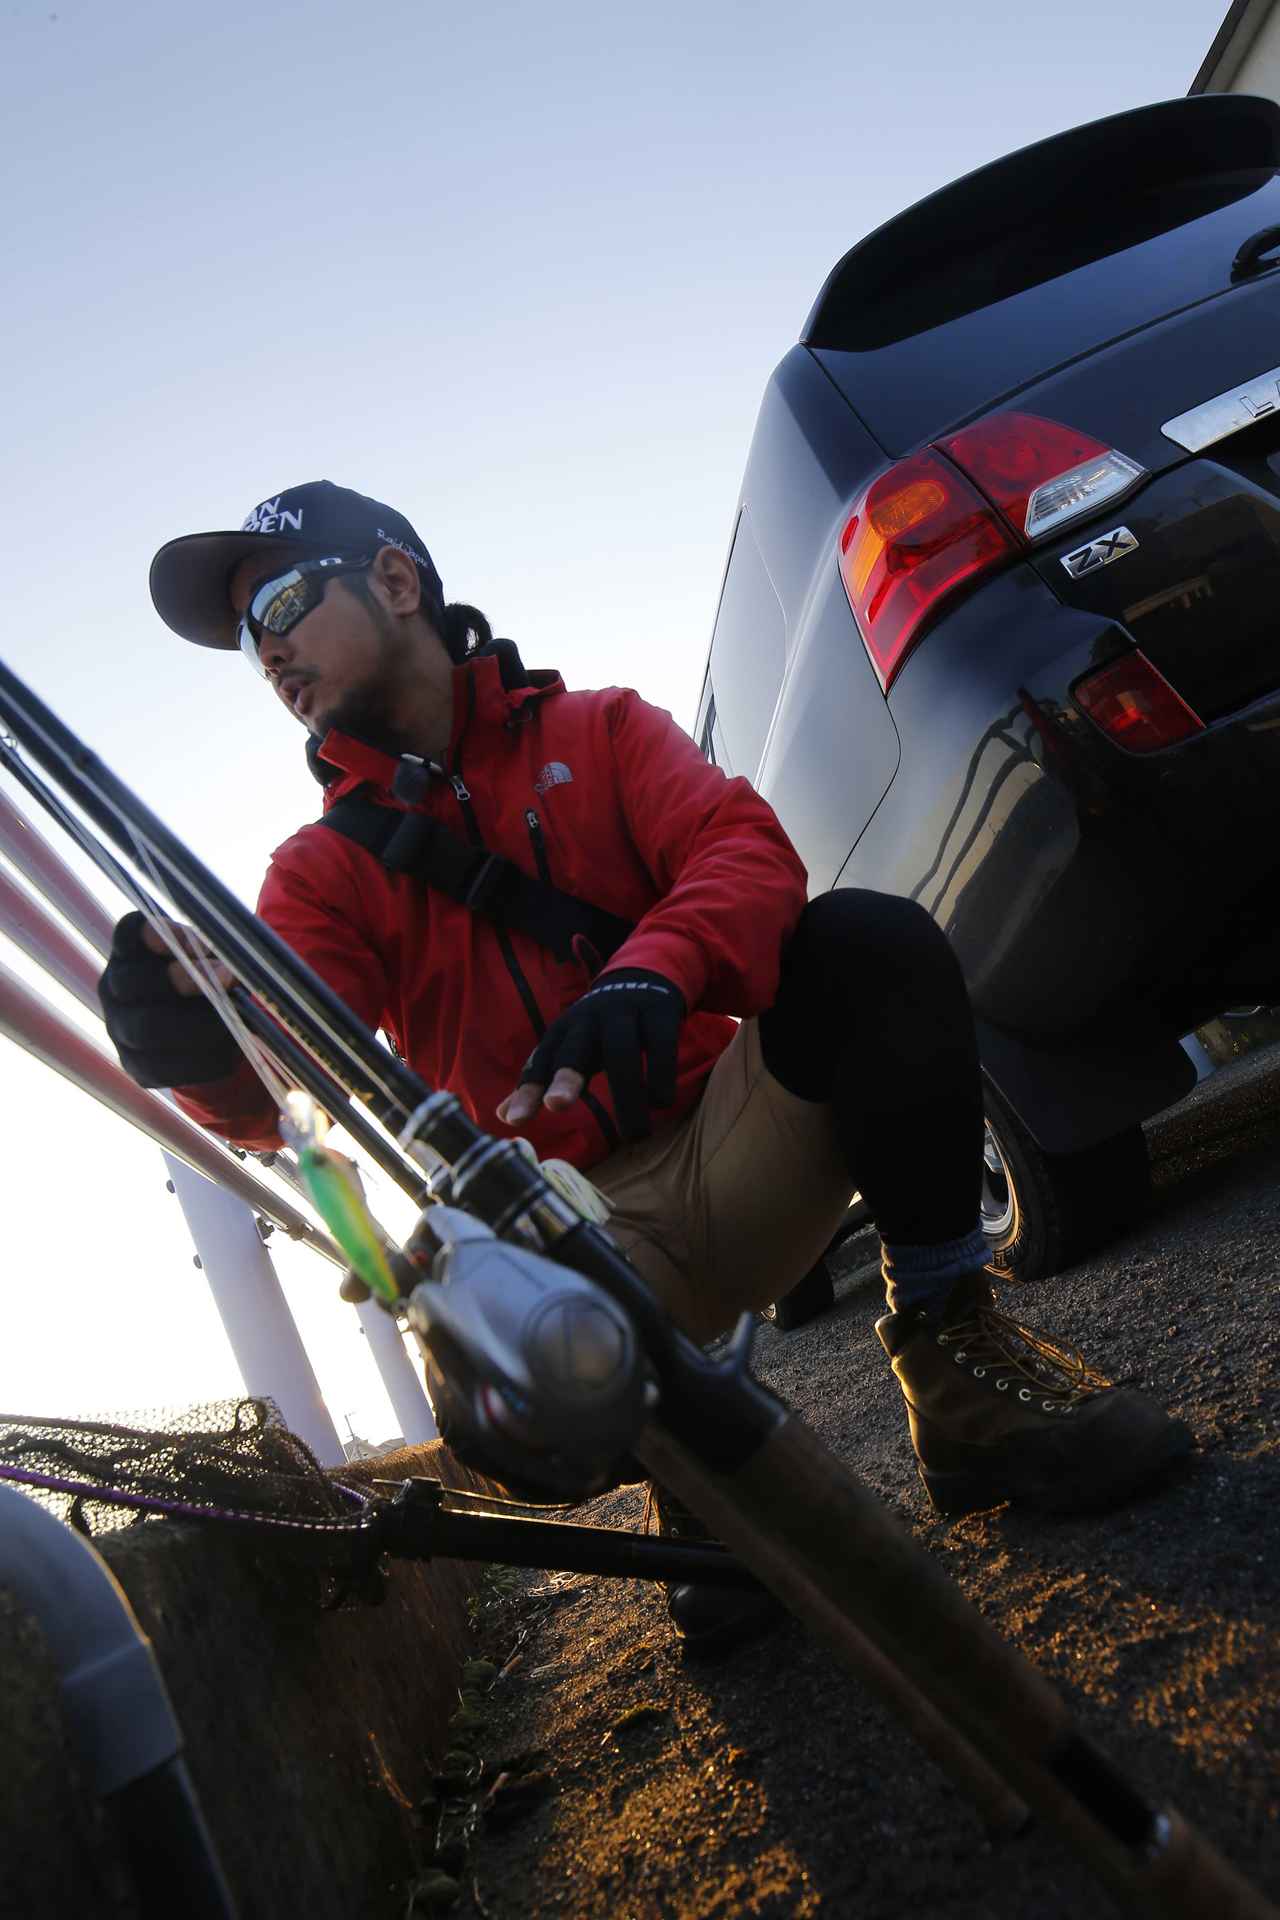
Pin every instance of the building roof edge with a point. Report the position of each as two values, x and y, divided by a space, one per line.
1239 29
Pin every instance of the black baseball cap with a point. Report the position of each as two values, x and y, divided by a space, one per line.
189 576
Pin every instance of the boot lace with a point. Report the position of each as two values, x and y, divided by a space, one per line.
988 1339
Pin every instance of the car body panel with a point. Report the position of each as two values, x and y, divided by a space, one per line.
1198 591
807 680
1099 900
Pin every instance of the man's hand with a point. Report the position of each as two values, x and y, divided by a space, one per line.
164 1030
627 1026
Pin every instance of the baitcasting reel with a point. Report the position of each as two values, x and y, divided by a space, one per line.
535 1374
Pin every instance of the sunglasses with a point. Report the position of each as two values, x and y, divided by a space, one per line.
277 605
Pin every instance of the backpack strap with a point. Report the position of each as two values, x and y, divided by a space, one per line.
486 883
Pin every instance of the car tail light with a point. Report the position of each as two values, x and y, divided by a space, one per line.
1136 707
1041 475
918 533
938 520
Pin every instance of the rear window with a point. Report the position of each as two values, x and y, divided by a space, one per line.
1006 274
975 330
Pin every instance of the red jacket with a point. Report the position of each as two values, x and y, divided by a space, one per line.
632 818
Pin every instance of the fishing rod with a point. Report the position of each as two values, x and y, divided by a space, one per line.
301 1065
253 952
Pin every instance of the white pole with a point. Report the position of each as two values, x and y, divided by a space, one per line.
250 1301
405 1391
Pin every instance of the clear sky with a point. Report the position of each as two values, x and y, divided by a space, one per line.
522 272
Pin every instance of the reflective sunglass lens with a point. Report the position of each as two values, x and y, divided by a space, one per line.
280 604
276 606
249 646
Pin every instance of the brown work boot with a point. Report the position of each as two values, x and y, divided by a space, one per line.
997 1412
708 1619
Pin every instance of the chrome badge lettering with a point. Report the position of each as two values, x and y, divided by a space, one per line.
1226 413
1100 552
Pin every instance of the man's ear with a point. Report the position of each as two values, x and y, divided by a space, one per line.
394 581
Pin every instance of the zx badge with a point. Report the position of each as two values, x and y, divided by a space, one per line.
1100 552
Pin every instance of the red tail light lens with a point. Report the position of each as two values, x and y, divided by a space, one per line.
937 520
1136 707
1039 473
918 533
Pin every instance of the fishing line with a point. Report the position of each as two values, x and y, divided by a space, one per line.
56 807
193 959
328 1179
190 953
298 1064
297 1003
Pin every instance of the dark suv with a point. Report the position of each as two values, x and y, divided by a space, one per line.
1000 626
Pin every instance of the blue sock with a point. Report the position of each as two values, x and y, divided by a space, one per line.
924 1276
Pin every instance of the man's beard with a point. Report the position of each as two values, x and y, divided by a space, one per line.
367 712
363 713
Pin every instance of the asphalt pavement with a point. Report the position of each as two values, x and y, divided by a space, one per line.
770 1784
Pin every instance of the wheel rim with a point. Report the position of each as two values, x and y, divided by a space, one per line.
999 1205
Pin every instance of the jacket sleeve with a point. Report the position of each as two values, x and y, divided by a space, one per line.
322 923
732 885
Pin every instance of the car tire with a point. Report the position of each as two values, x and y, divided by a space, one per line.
1042 1211
809 1297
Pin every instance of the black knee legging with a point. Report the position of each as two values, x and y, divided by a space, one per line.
873 1016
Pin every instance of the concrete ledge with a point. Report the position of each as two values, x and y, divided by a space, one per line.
310 1735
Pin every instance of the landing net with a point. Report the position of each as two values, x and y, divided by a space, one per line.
228 1460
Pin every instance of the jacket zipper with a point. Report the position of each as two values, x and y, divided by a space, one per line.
603 1118
462 794
534 825
601 1114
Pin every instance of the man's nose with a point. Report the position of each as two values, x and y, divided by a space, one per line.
275 652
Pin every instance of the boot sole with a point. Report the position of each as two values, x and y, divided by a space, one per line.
958 1491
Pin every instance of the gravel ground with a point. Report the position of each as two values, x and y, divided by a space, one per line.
642 1785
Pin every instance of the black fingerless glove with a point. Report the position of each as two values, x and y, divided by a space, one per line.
628 1027
163 1038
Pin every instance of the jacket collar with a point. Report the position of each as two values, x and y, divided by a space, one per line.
492 689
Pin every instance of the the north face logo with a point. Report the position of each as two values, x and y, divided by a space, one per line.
268 517
554 774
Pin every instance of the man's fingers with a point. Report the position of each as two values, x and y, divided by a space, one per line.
517 1106
153 939
182 973
185 982
522 1104
564 1090
566 1087
182 980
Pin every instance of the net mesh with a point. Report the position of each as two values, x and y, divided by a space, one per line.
231 1460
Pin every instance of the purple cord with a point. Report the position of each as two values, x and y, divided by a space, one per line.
154 1503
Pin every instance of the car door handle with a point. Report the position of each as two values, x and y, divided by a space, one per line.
1251 256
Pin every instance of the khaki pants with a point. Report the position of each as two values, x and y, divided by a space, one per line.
729 1208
